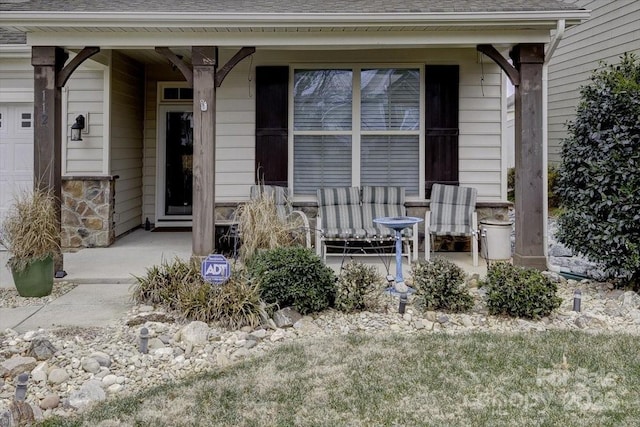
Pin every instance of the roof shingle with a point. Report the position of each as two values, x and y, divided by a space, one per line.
286 6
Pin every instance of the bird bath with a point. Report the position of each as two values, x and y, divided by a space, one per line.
398 223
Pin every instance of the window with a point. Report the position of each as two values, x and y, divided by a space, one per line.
322 127
357 126
25 121
390 128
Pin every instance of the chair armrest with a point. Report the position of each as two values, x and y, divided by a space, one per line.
307 228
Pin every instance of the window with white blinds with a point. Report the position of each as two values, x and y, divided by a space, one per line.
390 128
379 146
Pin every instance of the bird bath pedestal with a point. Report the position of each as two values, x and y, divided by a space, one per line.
398 223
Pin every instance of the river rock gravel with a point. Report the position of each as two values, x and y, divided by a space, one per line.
90 364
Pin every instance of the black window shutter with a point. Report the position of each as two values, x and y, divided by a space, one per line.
272 120
441 127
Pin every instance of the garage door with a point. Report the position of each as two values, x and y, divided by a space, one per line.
16 151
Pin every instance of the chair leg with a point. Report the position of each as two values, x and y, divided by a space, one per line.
427 245
474 237
474 249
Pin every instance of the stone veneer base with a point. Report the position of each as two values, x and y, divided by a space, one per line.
88 206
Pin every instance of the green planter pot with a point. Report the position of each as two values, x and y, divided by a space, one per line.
36 280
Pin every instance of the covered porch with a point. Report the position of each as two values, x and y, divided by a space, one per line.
455 132
135 252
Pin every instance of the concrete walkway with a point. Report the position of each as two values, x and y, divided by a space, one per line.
105 276
84 306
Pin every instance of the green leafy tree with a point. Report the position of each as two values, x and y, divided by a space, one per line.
599 181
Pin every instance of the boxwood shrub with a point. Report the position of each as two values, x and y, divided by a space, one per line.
293 276
519 292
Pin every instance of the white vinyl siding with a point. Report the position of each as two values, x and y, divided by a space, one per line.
612 30
84 94
127 106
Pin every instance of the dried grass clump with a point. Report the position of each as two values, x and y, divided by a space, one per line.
178 286
261 227
30 229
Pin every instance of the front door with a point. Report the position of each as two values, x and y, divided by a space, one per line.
174 197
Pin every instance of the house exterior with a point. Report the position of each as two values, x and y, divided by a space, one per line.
612 30
186 108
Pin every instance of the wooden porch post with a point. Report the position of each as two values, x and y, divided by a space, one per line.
205 63
528 59
48 61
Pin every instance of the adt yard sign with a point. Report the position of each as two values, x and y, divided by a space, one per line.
215 269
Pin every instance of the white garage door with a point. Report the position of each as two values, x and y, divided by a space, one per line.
16 151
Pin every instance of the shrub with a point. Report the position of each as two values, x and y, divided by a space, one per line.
599 177
440 286
552 186
519 292
357 287
293 276
178 285
511 184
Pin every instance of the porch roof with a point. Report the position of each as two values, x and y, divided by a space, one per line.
244 16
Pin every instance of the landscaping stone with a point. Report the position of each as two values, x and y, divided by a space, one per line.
90 392
286 317
195 333
17 365
90 365
50 401
58 376
41 349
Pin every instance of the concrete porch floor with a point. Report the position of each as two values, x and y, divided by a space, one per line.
133 253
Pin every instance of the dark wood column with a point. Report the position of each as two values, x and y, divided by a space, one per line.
48 62
529 192
205 63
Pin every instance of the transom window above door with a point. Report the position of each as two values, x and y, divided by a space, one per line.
356 126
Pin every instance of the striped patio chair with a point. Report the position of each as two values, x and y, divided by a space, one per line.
339 217
452 212
387 202
283 206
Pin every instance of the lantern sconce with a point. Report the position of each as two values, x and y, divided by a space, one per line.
77 128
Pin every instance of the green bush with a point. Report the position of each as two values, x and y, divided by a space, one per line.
178 285
599 177
440 285
553 196
511 184
293 276
357 287
519 292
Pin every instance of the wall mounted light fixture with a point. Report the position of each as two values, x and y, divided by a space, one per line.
76 128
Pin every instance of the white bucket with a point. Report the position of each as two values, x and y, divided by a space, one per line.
495 239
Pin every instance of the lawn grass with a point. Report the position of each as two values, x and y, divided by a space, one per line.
479 379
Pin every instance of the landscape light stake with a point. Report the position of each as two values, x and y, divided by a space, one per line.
21 387
577 299
144 340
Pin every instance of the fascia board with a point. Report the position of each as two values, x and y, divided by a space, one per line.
26 20
284 40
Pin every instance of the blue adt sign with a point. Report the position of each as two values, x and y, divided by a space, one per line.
215 269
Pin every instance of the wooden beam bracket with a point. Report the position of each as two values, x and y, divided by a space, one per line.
68 70
509 69
184 68
239 56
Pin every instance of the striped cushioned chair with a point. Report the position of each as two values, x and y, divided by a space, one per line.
339 216
284 210
452 212
387 202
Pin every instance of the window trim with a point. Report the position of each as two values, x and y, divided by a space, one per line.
356 129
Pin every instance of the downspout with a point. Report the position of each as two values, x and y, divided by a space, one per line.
553 45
